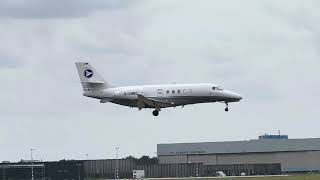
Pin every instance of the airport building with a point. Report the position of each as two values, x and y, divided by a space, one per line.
269 155
293 155
124 168
57 170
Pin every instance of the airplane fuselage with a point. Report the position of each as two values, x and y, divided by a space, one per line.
177 94
151 96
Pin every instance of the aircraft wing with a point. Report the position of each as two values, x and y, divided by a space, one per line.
105 100
142 100
96 82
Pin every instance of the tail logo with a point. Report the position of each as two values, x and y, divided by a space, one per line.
88 73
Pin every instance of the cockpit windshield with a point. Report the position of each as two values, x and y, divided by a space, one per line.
217 88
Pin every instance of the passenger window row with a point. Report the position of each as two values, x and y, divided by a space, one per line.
179 91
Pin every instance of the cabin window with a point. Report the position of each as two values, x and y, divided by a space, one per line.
179 91
173 91
190 91
168 91
184 91
213 88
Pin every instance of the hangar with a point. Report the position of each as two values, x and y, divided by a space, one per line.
294 155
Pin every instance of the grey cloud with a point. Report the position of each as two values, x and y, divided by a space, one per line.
39 9
9 61
245 48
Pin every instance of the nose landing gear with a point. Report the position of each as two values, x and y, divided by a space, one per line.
155 113
227 107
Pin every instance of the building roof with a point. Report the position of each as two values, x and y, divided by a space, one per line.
235 147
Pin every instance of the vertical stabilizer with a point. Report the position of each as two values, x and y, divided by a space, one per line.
90 78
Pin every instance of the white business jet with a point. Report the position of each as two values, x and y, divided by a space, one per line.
151 96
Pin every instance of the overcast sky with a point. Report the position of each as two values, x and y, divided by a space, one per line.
268 51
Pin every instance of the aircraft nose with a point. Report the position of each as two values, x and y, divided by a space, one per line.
238 96
234 96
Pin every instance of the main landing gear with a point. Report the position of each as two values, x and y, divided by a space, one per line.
227 107
155 112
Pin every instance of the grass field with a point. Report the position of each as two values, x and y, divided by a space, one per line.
293 177
290 177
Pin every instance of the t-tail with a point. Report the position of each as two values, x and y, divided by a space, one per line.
90 78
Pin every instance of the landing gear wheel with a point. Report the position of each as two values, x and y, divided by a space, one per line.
155 113
227 107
